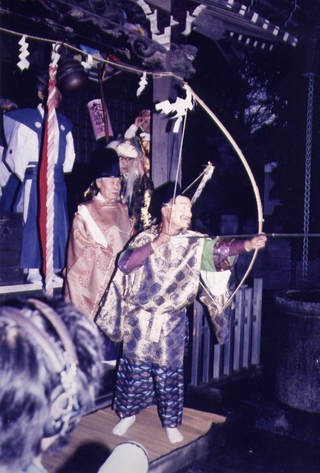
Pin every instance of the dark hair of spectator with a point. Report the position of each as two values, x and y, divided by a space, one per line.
29 383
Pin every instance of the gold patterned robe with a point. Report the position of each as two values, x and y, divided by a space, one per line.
147 307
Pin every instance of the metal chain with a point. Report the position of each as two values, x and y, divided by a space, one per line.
307 180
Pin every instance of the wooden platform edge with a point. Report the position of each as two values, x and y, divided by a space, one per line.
187 454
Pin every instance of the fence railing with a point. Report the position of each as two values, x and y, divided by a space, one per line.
214 362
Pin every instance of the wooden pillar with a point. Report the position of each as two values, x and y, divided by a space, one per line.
165 144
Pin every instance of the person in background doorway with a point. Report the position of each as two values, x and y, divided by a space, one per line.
24 148
139 133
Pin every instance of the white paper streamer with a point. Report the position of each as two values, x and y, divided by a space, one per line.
142 84
24 53
178 109
88 63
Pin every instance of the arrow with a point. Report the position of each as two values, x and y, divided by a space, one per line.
273 235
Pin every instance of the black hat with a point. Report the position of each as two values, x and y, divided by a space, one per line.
42 80
161 196
105 163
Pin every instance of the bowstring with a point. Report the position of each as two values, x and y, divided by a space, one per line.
179 165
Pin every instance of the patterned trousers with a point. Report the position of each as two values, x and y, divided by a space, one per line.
140 385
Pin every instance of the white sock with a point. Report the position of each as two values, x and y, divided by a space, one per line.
34 276
34 272
123 425
174 435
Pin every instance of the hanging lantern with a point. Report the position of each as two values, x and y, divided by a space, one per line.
97 118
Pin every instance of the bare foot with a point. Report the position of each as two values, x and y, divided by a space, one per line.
174 435
123 425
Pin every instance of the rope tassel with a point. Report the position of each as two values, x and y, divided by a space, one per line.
207 174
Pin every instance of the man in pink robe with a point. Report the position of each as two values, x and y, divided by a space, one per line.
100 230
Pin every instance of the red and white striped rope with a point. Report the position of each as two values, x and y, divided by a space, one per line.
51 124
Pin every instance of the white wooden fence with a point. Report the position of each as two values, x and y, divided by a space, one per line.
214 362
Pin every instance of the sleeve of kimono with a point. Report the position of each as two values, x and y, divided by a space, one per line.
134 256
221 254
4 172
78 240
23 147
131 132
111 314
70 154
82 255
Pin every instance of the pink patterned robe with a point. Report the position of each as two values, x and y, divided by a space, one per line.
99 232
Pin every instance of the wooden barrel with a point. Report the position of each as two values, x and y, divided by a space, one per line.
298 349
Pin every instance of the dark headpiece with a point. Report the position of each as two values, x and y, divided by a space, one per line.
105 163
161 196
42 80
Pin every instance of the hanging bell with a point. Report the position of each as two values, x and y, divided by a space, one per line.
71 76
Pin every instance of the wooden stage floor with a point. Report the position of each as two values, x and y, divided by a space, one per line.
92 441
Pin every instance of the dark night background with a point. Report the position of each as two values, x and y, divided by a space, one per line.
225 75
221 81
